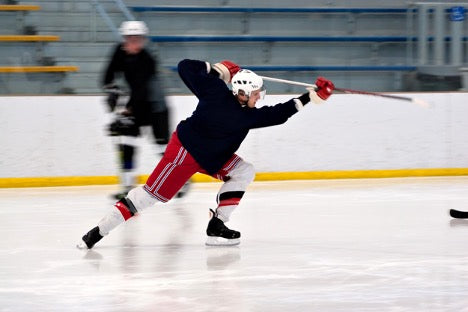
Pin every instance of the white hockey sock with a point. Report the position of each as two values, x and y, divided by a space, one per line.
224 212
127 179
141 199
138 197
233 189
110 221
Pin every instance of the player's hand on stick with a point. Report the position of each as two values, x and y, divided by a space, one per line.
323 90
226 70
123 124
113 92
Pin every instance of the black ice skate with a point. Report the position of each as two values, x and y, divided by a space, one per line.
219 234
90 239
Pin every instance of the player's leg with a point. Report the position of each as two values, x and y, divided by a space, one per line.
127 179
123 210
160 126
169 175
176 167
126 131
237 175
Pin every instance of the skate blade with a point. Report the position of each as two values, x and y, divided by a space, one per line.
220 241
82 245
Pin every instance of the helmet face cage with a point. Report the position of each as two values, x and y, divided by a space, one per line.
246 81
133 28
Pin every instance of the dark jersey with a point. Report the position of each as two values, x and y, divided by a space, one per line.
139 71
219 124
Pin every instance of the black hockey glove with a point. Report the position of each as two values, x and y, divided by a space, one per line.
123 125
113 93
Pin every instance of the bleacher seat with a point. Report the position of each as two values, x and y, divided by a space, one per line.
301 41
29 38
363 42
23 53
19 7
37 69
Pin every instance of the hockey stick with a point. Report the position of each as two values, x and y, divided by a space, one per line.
458 214
416 101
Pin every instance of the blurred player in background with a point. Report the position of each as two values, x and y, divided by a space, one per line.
146 105
207 142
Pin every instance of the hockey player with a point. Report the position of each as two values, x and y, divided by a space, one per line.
146 105
207 141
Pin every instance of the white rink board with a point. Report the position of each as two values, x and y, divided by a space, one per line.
65 136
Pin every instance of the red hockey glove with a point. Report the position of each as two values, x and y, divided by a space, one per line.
324 88
226 70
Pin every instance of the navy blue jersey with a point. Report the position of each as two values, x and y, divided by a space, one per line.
219 124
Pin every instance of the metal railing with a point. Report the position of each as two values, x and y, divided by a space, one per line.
440 45
105 16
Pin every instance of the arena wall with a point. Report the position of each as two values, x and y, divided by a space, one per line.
61 140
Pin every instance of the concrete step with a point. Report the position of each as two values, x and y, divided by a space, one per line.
301 53
75 19
75 6
281 24
31 83
19 53
9 23
80 49
81 81
278 3
86 65
85 36
90 83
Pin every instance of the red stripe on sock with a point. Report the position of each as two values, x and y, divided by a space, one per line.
123 210
229 202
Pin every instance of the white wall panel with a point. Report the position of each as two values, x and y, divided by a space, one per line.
65 136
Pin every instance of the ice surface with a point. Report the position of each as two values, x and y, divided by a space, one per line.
330 245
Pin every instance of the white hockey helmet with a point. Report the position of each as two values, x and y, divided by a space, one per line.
133 28
247 81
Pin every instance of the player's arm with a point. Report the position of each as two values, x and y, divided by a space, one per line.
205 79
278 114
266 116
113 67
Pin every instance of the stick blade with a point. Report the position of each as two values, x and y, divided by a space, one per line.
457 214
420 102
